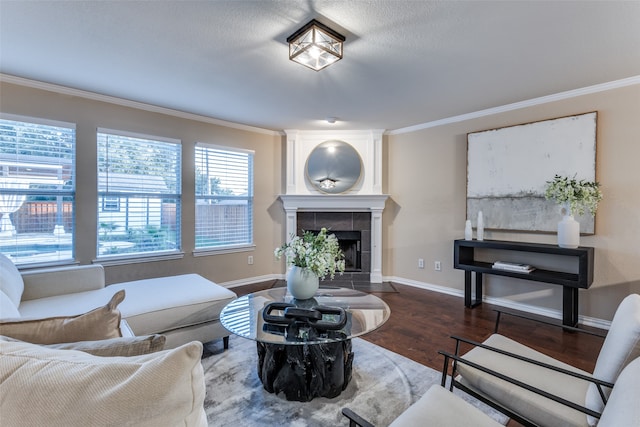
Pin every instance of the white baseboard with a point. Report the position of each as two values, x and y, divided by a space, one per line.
502 302
251 280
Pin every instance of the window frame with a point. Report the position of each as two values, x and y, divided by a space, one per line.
250 198
67 192
101 195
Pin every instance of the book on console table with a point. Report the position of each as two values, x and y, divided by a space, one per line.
513 266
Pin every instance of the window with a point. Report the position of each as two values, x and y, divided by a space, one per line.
224 197
37 189
111 204
139 194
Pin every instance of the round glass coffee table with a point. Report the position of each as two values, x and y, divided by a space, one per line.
304 346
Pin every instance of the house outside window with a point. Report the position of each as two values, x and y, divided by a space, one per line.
224 198
37 189
139 194
110 204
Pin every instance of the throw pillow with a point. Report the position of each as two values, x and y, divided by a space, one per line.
101 323
46 387
125 346
7 307
11 282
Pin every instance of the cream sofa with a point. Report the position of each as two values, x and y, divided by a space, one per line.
43 386
183 308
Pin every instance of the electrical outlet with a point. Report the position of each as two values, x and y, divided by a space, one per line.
250 260
437 266
420 263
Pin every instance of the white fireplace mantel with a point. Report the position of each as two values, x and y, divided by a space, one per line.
364 196
373 203
334 203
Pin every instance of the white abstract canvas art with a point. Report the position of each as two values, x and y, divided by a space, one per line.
507 170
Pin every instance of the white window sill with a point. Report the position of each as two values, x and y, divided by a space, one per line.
138 258
224 250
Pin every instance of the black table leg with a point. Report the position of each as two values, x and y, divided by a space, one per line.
468 300
569 306
467 289
478 299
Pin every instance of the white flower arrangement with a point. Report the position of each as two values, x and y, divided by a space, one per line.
579 195
320 253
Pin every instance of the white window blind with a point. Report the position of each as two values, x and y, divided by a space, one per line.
224 197
37 189
139 194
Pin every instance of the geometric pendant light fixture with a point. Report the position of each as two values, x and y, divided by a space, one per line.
315 46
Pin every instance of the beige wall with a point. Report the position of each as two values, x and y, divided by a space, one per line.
426 178
424 173
91 114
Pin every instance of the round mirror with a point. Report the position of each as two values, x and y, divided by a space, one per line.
333 167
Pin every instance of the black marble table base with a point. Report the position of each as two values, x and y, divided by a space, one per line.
303 372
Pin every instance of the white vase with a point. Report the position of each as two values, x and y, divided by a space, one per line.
480 227
468 230
568 231
302 283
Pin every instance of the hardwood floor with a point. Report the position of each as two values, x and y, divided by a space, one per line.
422 322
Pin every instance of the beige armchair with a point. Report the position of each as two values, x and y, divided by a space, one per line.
537 390
440 408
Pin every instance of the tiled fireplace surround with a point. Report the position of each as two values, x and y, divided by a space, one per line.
338 222
359 209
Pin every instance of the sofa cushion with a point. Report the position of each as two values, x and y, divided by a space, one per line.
7 307
101 323
156 306
153 306
10 280
48 282
439 407
125 346
42 386
535 407
621 346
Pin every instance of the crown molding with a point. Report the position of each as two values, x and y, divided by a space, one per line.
205 119
65 90
522 104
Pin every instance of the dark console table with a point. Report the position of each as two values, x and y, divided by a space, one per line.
464 258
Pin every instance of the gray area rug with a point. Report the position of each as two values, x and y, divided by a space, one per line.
383 385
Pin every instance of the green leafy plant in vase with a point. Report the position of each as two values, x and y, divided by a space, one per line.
576 197
310 257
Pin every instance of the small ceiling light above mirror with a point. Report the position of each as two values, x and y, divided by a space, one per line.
315 46
328 183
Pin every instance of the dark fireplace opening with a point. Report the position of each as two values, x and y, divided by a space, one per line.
350 243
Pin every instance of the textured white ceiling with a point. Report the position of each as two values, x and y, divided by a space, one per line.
405 62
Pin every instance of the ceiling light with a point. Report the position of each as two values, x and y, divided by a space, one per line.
315 46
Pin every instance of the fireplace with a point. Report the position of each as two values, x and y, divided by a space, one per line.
358 209
353 230
350 244
343 213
